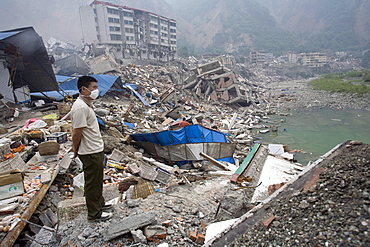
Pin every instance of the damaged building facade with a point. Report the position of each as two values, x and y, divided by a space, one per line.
133 33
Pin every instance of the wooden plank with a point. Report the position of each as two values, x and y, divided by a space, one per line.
245 163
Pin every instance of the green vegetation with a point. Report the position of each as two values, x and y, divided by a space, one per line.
352 82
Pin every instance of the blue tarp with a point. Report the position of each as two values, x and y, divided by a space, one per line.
69 86
130 87
63 78
55 95
105 82
185 144
133 86
188 134
4 35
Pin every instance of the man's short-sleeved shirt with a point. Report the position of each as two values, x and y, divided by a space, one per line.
84 117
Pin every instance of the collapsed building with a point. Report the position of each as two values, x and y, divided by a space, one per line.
214 82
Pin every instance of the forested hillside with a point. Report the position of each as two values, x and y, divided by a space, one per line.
276 25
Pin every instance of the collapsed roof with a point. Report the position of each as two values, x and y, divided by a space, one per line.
27 60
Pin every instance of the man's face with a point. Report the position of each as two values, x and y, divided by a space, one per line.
86 91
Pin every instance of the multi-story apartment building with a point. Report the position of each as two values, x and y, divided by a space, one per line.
257 57
314 59
135 33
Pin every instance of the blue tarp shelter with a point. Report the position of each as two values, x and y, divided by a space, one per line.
69 86
189 134
186 143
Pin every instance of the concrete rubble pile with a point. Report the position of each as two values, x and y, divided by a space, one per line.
157 199
68 59
212 82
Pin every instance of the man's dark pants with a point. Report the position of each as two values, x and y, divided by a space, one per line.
93 166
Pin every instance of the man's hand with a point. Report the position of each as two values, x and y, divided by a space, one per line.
72 150
76 139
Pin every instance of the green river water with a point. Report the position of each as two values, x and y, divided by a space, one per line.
317 131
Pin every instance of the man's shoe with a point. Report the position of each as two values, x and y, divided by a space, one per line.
104 216
107 206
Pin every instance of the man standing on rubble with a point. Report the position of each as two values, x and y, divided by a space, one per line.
88 144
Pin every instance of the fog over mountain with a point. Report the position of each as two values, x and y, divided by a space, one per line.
236 26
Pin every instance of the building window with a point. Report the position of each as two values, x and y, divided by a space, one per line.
173 42
164 41
128 22
113 20
172 24
152 18
130 38
129 30
164 34
173 30
153 38
153 25
129 14
164 22
114 29
112 11
94 11
153 32
97 29
164 28
115 37
173 36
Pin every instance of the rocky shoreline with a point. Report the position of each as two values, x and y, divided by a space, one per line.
299 95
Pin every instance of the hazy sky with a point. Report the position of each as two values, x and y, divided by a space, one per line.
59 19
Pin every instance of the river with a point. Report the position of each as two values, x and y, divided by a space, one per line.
317 131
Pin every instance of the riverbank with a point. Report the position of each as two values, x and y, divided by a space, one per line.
300 95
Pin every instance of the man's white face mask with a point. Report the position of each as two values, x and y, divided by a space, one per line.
94 93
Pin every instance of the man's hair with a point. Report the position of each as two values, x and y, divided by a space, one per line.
85 81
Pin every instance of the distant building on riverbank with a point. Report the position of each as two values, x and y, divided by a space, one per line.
314 59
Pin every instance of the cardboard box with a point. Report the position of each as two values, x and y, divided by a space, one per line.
11 184
12 164
59 137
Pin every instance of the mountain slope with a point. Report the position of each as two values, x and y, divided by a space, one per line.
277 25
343 23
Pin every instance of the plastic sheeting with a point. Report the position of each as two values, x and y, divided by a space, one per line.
105 82
189 134
186 143
69 86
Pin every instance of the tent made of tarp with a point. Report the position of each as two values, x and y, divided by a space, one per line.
69 86
105 83
27 60
186 143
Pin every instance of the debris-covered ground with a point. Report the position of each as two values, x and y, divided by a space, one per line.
334 212
176 209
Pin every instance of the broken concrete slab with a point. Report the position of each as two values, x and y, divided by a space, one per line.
128 224
138 236
70 209
155 232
